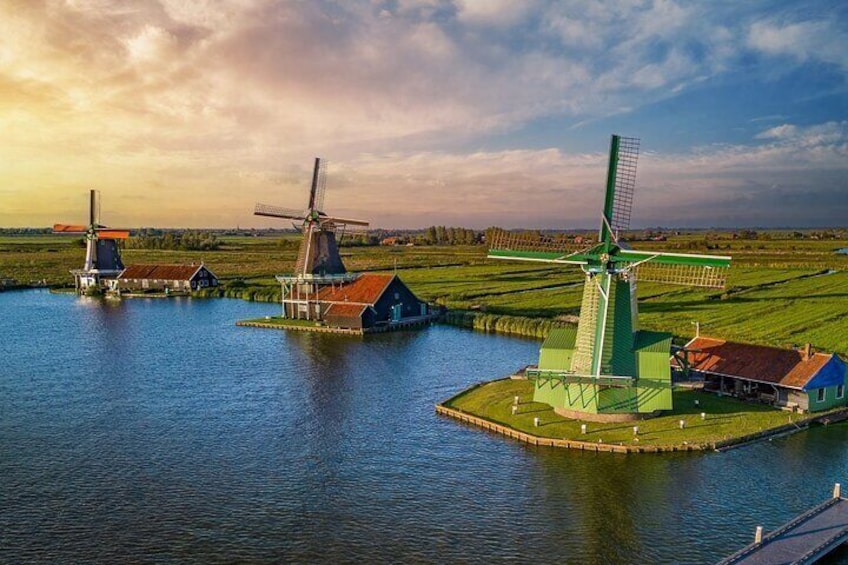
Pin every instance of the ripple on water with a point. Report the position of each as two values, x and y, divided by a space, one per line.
156 430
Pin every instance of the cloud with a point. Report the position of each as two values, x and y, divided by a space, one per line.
213 105
151 45
498 13
778 132
817 40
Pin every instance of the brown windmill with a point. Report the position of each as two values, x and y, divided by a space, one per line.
319 251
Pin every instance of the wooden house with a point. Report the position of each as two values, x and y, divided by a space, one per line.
361 302
370 300
171 278
802 380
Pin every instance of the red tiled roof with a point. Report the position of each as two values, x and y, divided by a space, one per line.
366 289
787 367
160 272
345 310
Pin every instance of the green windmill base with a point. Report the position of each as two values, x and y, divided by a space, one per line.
608 369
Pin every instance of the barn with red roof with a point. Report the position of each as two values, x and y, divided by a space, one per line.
803 380
183 278
366 302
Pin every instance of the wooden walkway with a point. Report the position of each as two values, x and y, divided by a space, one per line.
804 539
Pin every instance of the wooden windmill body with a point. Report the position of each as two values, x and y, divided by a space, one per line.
609 369
318 260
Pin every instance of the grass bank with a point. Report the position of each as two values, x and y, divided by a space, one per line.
726 419
281 322
779 292
515 325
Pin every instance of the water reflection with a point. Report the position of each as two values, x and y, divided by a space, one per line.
154 430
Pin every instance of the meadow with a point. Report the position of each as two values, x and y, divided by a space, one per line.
781 291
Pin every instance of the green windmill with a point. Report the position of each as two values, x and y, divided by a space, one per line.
608 369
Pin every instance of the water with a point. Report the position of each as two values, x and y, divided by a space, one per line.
157 431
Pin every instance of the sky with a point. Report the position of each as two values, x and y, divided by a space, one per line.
455 112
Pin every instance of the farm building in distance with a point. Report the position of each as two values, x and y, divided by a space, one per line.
801 380
360 302
165 278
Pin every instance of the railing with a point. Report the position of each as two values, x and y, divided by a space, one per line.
317 279
574 378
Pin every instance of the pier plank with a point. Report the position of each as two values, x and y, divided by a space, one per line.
804 539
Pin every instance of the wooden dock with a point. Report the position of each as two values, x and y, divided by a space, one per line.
804 539
405 324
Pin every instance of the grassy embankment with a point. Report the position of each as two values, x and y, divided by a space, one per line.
726 418
775 295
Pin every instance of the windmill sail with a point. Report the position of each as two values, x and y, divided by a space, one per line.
621 183
532 246
319 186
625 183
318 253
279 212
344 221
94 209
684 275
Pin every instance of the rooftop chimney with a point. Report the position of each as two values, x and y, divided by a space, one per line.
808 351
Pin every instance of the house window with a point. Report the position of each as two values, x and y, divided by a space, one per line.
840 391
820 397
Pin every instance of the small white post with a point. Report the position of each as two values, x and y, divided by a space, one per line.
682 424
536 422
514 410
515 401
635 430
582 428
758 535
837 490
703 415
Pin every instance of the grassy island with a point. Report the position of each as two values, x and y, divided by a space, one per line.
726 421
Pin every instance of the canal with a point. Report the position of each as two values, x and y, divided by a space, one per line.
157 431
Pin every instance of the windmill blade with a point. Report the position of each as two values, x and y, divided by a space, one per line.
278 212
533 246
625 182
305 250
684 275
321 186
69 229
343 221
621 182
94 209
106 233
708 271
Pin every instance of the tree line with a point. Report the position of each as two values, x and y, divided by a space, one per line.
185 241
434 235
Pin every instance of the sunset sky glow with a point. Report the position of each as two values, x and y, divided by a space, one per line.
455 112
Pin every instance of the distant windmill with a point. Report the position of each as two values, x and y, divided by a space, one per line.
319 252
102 255
605 351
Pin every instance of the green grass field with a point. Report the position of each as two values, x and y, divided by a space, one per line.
726 418
775 294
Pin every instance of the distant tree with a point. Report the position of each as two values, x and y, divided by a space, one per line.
430 236
188 241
